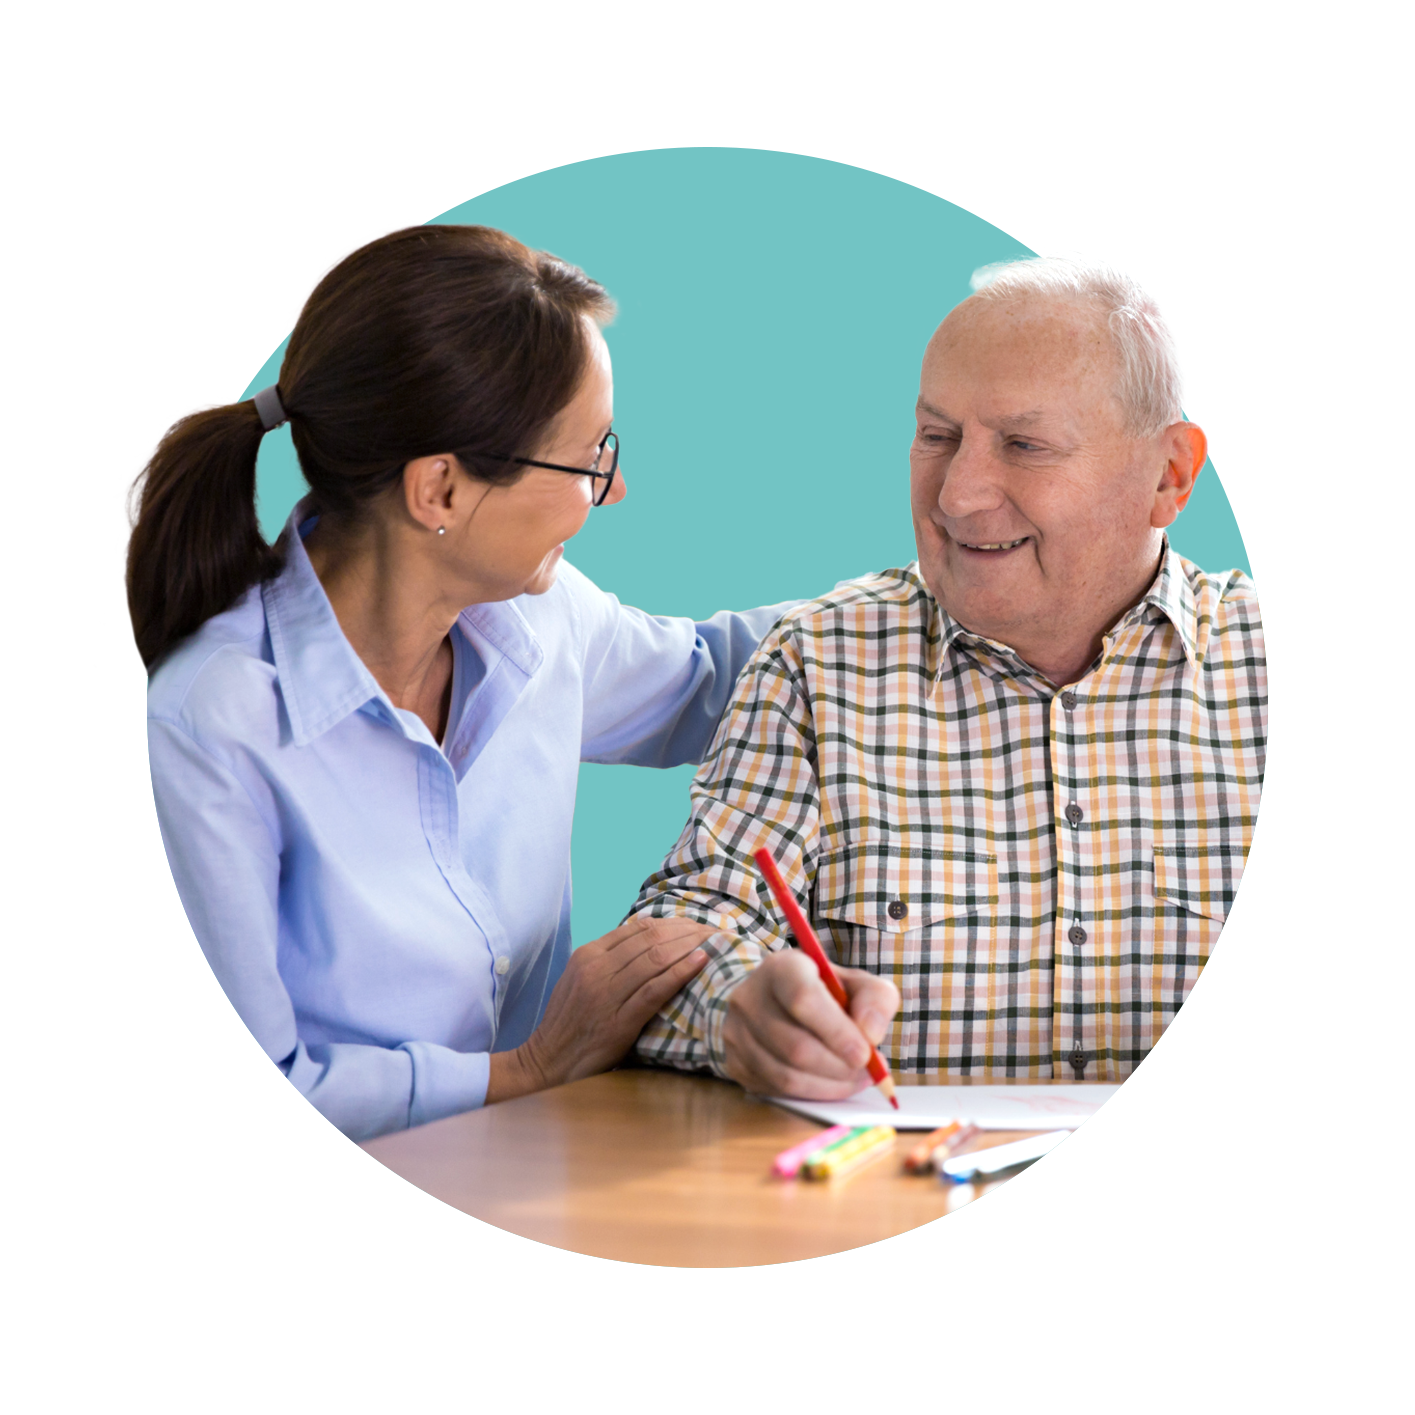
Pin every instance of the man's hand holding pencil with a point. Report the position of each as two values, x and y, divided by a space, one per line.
799 1026
785 1035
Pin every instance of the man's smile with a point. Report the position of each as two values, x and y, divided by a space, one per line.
995 547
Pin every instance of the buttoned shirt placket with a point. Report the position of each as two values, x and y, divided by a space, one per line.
1074 978
1081 1033
507 668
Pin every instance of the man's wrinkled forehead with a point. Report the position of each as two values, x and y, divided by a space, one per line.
1028 420
1054 349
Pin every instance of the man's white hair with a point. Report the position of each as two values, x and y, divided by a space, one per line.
1149 389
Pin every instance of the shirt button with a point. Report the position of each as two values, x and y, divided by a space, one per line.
1068 700
897 909
1073 813
1077 935
502 965
1078 1061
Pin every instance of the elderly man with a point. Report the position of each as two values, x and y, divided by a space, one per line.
1013 783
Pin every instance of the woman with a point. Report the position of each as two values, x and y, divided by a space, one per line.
365 740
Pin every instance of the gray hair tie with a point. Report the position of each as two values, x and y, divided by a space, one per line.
268 405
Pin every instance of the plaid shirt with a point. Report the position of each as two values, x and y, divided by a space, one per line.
1042 874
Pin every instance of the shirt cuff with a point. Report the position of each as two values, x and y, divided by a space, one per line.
688 1030
729 963
445 1082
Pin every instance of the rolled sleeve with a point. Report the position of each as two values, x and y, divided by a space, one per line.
445 1082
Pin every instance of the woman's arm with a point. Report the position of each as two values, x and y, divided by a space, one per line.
656 686
223 843
224 850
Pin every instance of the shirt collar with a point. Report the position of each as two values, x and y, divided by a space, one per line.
952 633
1170 596
322 679
944 632
499 625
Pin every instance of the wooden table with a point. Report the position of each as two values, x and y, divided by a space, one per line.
657 1167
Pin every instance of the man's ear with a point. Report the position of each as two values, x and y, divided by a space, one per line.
1185 448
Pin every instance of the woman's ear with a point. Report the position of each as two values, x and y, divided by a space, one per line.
427 489
1185 449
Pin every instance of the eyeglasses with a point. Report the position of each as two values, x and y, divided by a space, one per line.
609 447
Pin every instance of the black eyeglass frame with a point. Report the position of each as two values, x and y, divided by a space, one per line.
611 440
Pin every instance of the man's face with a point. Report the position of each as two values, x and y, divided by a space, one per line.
1032 506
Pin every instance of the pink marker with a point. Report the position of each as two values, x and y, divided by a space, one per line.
788 1163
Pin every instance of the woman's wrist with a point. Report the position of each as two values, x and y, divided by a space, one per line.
515 1073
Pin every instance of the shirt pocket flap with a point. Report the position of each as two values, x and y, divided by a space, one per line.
1200 879
878 886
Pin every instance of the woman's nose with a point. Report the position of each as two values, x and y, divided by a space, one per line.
618 491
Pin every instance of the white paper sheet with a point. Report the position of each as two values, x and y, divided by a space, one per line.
1022 1107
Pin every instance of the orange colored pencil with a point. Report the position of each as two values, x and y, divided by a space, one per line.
919 1159
811 946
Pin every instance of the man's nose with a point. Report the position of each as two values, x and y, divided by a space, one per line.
971 483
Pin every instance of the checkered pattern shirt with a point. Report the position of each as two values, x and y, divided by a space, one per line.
1041 873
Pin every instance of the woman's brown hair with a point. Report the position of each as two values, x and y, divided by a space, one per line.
435 339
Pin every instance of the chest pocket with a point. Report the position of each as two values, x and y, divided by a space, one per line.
926 920
1199 879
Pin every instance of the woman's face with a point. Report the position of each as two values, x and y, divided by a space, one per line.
513 537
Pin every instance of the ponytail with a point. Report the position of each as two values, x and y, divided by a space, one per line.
196 546
436 339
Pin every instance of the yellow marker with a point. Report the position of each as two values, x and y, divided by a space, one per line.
855 1152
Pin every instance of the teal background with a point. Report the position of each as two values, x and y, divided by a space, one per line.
773 312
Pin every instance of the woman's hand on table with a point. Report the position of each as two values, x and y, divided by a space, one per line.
785 1035
607 993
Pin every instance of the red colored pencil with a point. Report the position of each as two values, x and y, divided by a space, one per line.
810 945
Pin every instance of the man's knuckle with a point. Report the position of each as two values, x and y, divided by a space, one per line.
787 982
798 1050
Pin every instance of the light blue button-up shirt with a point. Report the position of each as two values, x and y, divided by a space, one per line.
383 911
